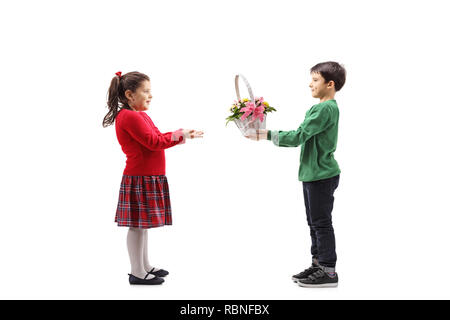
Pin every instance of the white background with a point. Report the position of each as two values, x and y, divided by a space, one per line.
239 229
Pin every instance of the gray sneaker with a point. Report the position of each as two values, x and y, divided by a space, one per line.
322 278
305 273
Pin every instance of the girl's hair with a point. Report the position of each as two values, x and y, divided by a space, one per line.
116 93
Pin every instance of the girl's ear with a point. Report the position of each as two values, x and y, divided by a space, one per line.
129 95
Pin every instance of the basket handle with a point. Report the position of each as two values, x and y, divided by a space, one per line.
236 85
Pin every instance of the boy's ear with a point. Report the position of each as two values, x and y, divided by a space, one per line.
331 84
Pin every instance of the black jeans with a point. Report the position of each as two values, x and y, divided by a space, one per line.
319 201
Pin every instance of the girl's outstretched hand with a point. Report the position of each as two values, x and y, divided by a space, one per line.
192 134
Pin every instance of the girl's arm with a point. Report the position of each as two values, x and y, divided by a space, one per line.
150 138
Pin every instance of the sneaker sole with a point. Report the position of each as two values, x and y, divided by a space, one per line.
297 279
323 285
146 284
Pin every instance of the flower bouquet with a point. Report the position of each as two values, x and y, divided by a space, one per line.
249 114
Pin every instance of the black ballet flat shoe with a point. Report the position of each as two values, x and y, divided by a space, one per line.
160 273
145 281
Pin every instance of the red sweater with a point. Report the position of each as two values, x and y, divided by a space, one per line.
143 144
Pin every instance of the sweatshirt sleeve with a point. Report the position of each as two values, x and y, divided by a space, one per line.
316 122
149 137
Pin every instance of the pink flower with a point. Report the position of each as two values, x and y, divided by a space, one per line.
248 109
259 101
258 113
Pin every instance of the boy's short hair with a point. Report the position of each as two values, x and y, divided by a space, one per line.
331 71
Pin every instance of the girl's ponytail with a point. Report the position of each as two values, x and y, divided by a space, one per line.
113 102
116 93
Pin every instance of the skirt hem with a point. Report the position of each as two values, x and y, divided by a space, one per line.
143 227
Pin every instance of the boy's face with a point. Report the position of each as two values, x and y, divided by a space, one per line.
318 86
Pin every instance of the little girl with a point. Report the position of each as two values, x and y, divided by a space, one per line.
144 200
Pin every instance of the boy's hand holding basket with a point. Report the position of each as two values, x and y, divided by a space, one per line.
250 115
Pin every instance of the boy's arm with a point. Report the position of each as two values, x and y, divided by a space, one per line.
316 122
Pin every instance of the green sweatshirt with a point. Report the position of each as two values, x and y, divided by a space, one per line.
318 136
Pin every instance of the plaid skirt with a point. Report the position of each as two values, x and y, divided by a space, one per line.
144 202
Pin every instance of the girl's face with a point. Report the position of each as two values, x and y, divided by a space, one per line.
140 100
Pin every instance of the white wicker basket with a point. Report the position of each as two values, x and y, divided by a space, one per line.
248 124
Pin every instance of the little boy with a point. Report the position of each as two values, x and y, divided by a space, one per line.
318 171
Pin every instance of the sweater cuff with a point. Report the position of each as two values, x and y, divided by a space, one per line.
178 136
275 137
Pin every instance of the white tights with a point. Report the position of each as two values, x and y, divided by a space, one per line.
137 243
